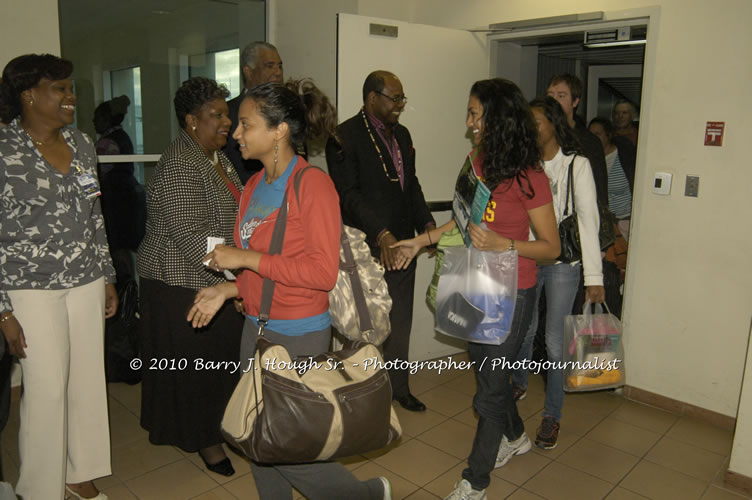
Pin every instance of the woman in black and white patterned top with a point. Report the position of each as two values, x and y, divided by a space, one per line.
192 196
56 284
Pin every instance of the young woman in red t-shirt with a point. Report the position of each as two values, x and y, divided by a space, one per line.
509 162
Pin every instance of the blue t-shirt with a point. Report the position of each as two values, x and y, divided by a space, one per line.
266 199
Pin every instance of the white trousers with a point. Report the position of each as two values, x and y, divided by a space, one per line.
64 435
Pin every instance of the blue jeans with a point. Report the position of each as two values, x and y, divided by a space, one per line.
494 398
560 282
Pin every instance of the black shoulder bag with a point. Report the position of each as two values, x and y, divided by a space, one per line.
569 230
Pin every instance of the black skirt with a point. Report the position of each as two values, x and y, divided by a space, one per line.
182 398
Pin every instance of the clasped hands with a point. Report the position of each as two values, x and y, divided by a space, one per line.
404 251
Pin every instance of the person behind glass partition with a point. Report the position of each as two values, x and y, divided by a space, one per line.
123 197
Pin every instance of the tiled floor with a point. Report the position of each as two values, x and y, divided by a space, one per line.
609 447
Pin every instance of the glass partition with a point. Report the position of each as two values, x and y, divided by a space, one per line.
128 82
145 48
220 66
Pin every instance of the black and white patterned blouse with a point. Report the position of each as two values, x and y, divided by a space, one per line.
187 201
51 236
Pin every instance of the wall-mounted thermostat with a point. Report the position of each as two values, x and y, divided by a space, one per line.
662 183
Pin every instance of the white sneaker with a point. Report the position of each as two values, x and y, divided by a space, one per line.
508 449
464 491
387 488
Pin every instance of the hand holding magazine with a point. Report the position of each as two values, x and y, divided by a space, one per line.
470 198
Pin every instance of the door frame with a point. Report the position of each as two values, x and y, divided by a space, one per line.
649 16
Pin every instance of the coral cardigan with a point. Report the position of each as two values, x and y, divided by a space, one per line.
307 268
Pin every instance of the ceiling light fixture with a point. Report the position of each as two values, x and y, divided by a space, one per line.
615 43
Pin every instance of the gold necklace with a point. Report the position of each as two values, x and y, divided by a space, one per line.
378 151
41 143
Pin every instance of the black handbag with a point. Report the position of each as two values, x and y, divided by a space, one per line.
569 230
329 406
121 337
607 231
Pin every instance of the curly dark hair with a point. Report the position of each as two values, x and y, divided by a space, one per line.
608 127
304 107
509 139
565 137
25 72
194 93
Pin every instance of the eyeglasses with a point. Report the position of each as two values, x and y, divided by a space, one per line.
395 99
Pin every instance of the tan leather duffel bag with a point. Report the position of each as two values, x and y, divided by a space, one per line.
309 409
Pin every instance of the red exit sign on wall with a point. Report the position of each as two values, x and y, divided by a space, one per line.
714 133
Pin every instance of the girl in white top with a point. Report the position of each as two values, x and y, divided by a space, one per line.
560 148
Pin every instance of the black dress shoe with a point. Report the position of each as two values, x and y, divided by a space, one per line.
410 403
223 467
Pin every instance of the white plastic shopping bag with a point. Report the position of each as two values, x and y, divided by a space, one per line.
593 350
476 294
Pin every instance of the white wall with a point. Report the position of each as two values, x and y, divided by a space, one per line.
688 299
28 26
517 63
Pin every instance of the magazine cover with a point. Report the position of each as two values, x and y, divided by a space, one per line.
470 199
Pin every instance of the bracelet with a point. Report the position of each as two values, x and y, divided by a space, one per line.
428 233
381 236
6 317
511 246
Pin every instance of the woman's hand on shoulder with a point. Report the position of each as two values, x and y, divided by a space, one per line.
487 240
208 301
14 335
110 300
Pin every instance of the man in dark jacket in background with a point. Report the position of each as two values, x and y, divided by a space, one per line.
372 163
260 63
567 90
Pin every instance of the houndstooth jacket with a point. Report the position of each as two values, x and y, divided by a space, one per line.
187 201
